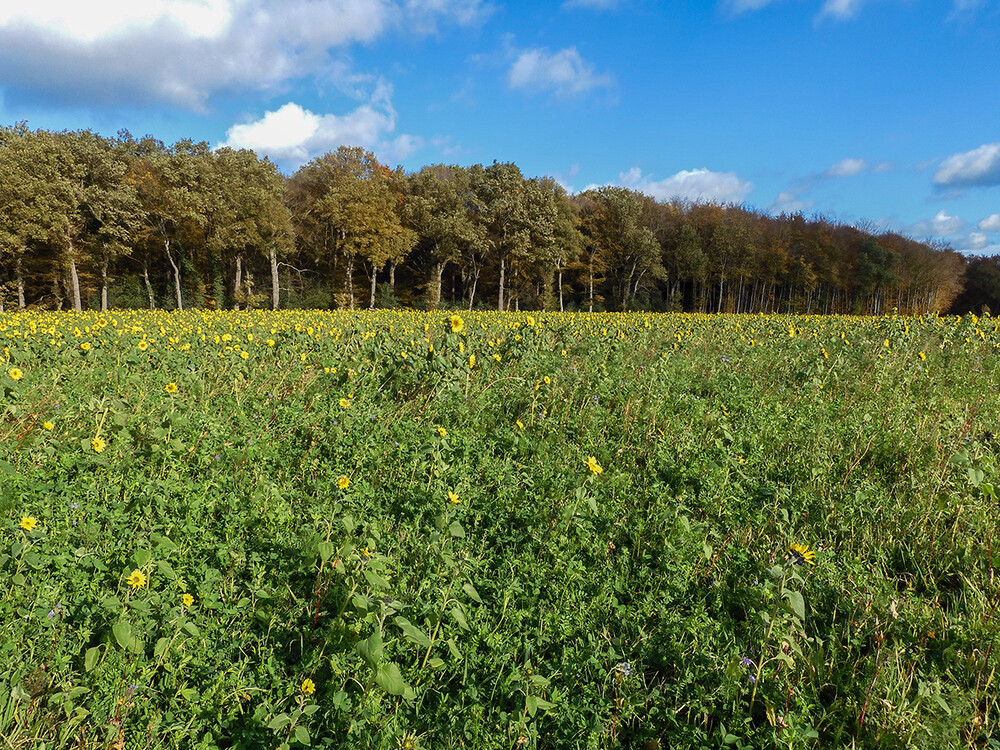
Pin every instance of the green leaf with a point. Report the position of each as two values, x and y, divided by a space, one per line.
142 557
390 679
161 647
375 579
165 570
459 616
371 649
456 530
279 722
413 633
796 602
91 658
469 589
532 703
192 629
453 647
326 550
123 634
302 734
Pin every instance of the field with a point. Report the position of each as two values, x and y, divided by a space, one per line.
410 530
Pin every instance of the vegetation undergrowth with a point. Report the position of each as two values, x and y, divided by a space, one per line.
394 529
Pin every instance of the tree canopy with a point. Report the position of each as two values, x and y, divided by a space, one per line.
89 221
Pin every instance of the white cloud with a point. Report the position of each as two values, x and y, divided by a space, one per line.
847 168
990 224
183 51
699 185
941 225
840 9
974 241
789 203
293 135
564 72
981 166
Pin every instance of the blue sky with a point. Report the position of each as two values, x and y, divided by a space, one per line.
878 112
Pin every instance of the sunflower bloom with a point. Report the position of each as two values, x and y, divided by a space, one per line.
187 600
343 482
47 425
457 324
802 554
28 523
442 432
595 468
344 403
308 686
15 374
453 498
98 445
170 387
136 579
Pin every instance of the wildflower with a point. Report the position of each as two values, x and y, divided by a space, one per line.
143 345
802 554
136 579
308 686
187 600
453 498
530 321
457 324
547 380
442 431
472 361
170 387
98 445
594 467
923 357
344 403
28 523
85 346
47 425
520 424
15 374
343 482
624 669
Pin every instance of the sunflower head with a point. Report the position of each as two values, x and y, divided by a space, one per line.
800 553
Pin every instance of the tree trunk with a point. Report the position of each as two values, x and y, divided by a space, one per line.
500 288
472 289
371 298
177 275
104 285
559 277
149 287
392 278
435 299
74 280
275 289
19 271
349 281
237 284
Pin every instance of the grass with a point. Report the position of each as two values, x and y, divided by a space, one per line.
280 489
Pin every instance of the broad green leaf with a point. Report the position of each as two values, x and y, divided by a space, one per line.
390 679
302 734
91 658
413 633
123 634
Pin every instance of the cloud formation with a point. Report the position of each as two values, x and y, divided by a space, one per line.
847 168
990 224
840 9
563 73
941 225
979 167
292 135
183 51
789 203
698 185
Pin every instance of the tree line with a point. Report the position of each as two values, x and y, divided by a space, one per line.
93 222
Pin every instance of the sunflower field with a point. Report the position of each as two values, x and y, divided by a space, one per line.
392 529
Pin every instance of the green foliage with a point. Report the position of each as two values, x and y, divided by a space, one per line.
399 530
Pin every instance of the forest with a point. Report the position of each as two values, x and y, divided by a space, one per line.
89 222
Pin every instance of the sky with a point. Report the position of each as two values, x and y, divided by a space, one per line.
880 113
